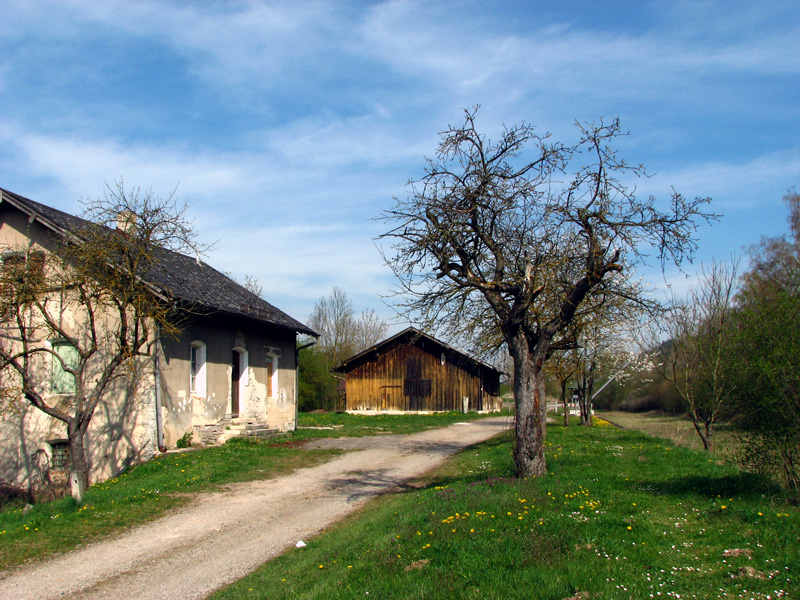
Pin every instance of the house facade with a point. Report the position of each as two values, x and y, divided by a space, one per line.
234 358
414 372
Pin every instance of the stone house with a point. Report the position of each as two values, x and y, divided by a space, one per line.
233 366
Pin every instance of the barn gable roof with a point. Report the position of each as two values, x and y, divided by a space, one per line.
422 340
184 278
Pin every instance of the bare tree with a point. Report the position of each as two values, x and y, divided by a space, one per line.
563 367
91 293
369 330
341 334
489 240
333 319
602 341
700 332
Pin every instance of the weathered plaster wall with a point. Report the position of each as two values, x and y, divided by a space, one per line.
123 428
221 335
122 433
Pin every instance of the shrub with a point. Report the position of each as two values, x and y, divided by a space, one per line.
185 440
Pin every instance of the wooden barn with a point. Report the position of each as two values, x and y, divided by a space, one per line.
412 372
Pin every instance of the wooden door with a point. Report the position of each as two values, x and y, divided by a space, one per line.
414 384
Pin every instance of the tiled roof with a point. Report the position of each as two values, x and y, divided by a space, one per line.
183 277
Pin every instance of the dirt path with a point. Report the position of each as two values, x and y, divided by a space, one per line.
222 536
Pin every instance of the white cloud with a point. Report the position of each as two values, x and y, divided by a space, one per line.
735 186
336 105
473 57
297 265
86 165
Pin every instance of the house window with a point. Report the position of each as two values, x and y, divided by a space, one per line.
21 277
59 460
24 266
197 369
63 381
417 387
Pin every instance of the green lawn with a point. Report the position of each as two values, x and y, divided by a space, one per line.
621 515
142 494
354 425
145 492
678 429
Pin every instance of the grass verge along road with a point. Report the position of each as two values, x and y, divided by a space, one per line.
621 515
148 491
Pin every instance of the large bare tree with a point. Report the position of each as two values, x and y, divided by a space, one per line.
90 292
511 238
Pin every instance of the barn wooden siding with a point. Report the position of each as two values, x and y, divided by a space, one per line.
408 378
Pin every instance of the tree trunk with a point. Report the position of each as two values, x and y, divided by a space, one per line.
79 471
702 435
710 435
585 406
564 401
586 417
585 395
529 397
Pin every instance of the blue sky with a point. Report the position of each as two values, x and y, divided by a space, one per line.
288 126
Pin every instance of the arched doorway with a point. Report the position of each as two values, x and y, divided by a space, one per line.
239 374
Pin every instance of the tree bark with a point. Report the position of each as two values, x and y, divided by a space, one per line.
585 399
529 396
79 470
703 436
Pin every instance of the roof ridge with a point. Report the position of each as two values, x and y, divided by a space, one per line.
413 333
182 275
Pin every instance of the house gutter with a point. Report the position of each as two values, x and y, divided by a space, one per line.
159 423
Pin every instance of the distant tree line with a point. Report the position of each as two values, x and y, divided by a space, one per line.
732 356
342 334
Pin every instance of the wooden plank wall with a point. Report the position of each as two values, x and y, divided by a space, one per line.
379 385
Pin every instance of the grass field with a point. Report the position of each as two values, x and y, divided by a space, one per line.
145 492
354 425
678 429
621 515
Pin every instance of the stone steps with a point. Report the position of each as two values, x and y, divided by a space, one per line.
243 427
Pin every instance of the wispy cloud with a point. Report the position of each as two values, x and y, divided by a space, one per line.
735 185
289 125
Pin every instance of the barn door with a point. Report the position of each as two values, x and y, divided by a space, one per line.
415 387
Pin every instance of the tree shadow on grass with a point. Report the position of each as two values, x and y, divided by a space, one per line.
743 485
367 483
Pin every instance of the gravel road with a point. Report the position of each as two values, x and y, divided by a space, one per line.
222 536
